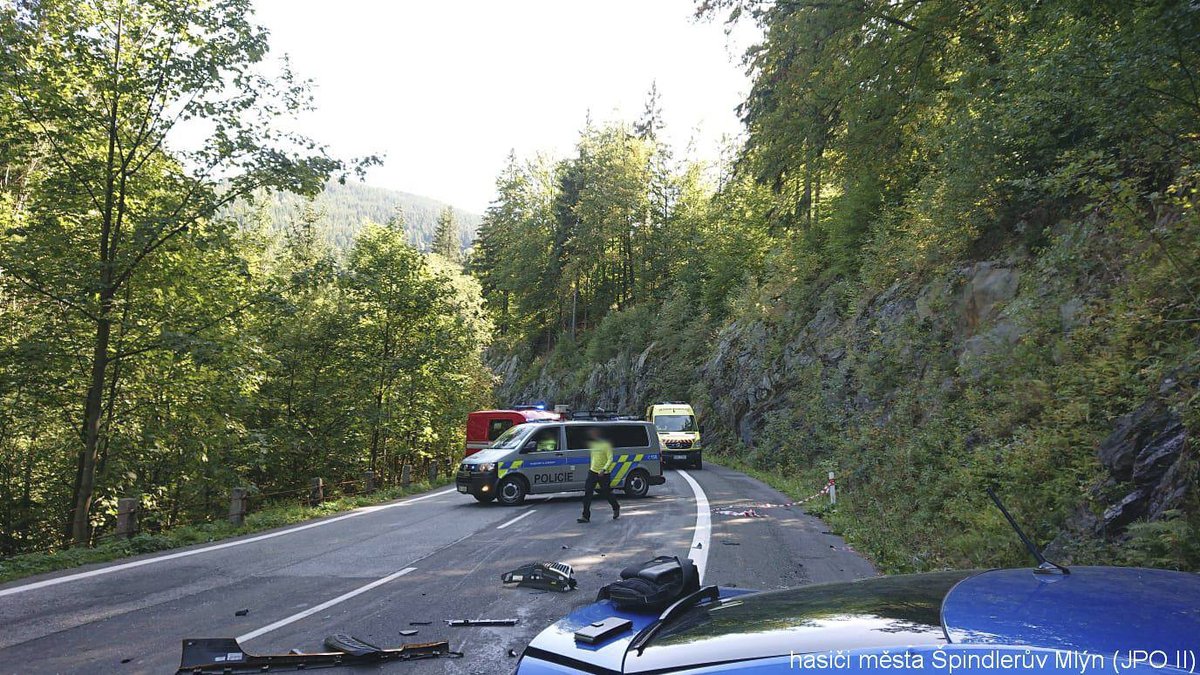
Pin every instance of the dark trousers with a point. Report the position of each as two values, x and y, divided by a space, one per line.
598 483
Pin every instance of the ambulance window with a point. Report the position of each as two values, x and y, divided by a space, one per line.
497 427
628 436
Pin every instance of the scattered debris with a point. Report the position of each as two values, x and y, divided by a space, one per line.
565 547
407 633
420 623
481 622
730 542
748 513
128 660
547 576
224 655
295 652
699 544
241 612
512 653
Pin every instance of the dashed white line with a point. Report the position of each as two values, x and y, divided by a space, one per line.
523 515
703 531
323 606
197 551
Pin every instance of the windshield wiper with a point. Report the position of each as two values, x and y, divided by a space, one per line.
642 639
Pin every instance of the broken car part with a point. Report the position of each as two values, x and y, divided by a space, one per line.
224 656
481 622
547 576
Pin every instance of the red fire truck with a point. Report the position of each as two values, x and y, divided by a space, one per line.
485 426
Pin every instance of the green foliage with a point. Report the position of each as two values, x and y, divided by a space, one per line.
156 339
344 207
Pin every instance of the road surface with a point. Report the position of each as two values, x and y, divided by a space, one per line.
427 558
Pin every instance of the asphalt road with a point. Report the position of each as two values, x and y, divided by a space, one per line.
425 559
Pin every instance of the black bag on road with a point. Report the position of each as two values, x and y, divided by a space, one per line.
654 584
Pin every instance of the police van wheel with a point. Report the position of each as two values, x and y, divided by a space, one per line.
637 484
511 491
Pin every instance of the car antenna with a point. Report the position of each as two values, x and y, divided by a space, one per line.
1044 566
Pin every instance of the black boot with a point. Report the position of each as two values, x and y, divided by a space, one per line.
584 519
616 512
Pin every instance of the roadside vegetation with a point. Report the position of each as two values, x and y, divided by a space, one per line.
162 335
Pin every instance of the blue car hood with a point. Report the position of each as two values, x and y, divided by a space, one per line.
1097 609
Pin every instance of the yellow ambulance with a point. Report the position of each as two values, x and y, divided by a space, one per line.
678 433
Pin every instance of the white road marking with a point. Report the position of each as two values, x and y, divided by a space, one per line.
323 606
523 515
229 544
700 540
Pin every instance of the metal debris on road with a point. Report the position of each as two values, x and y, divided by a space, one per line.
481 622
407 633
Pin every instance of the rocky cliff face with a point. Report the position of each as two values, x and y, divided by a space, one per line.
820 376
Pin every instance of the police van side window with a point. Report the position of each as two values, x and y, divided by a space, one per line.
628 436
578 437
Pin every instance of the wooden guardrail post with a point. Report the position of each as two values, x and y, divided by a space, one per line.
239 502
832 489
406 475
127 516
316 492
368 480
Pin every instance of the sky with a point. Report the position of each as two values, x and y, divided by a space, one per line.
445 89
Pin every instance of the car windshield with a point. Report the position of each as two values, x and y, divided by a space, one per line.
675 422
511 438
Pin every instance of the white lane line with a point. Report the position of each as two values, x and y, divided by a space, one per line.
703 532
323 606
523 515
230 544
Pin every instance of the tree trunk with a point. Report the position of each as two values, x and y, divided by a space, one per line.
91 428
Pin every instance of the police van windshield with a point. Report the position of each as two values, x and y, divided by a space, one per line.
511 438
675 422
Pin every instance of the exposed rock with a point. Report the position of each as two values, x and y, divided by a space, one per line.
1120 515
1069 314
989 285
1134 432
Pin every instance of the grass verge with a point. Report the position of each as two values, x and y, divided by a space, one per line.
29 564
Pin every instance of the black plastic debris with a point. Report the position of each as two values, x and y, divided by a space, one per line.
546 576
481 622
224 656
241 612
699 545
420 623
727 542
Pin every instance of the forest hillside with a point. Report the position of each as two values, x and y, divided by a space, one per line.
958 249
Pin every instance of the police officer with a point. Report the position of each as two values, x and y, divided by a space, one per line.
598 475
548 441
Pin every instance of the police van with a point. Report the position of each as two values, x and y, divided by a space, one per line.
543 457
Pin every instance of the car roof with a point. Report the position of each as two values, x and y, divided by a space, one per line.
1095 609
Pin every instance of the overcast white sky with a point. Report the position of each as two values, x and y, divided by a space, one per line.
445 88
